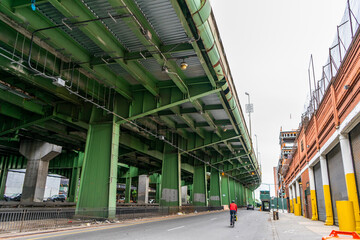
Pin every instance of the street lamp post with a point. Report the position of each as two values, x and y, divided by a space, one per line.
257 150
249 109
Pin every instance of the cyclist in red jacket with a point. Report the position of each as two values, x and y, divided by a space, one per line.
233 210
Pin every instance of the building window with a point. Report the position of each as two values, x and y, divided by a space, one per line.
302 146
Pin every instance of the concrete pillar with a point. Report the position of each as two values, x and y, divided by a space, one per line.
291 199
313 194
200 185
184 195
97 195
171 177
38 155
3 175
143 189
350 177
326 187
215 188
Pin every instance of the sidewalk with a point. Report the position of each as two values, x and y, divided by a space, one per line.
291 227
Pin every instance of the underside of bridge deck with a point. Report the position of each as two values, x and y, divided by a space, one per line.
126 88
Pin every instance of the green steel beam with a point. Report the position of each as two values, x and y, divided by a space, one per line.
215 140
171 105
59 39
25 124
106 41
173 70
135 56
215 188
200 185
152 45
21 102
25 3
12 111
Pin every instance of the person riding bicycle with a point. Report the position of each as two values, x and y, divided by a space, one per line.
233 210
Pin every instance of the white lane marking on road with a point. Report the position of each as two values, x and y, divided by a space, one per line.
175 228
213 219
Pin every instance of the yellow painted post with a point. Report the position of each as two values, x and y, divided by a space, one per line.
294 196
313 195
345 211
350 177
291 200
327 197
298 200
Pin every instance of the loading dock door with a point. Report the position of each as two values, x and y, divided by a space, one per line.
355 148
336 178
319 193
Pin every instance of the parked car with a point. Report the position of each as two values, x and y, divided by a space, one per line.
15 197
250 206
54 198
6 198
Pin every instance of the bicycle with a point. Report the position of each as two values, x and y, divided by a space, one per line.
233 219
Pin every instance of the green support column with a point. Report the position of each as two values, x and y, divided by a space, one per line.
171 177
75 174
128 187
231 189
225 198
200 185
190 189
158 189
215 188
97 194
3 175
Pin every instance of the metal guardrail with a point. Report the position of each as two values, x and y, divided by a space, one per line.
28 219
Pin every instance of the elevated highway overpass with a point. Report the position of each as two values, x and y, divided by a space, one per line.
105 91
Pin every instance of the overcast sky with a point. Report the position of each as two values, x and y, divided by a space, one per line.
268 46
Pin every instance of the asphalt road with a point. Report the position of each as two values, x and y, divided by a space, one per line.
250 225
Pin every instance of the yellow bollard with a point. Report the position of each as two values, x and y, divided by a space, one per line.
345 211
297 209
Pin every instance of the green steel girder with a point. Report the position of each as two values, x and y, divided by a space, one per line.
24 3
58 39
135 56
152 45
145 105
214 139
173 70
195 45
21 102
194 110
26 123
237 166
106 41
12 111
45 84
200 124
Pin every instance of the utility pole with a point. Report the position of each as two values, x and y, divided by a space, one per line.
249 109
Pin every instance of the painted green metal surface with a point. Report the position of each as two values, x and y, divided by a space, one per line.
225 191
99 174
200 185
215 188
171 178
